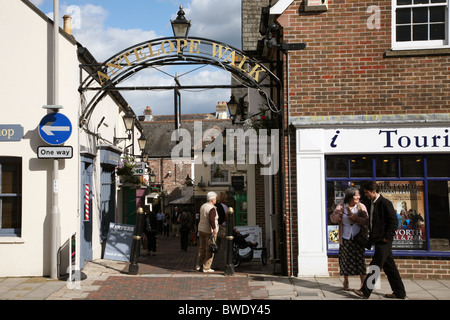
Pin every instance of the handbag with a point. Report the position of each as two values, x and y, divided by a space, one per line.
213 248
361 239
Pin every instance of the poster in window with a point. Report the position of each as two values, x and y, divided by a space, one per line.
333 237
408 200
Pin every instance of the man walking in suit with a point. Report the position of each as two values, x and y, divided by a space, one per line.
382 225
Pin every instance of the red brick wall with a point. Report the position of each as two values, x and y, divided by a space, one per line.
344 71
172 183
410 268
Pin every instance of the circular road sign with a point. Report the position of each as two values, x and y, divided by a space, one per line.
55 128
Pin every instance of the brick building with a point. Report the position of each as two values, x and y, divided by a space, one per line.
367 99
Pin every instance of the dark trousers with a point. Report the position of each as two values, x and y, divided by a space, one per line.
384 260
184 238
151 241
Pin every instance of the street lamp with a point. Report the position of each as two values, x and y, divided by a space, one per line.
128 120
180 25
152 177
142 141
188 181
232 107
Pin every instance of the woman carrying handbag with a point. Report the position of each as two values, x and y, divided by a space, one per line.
352 217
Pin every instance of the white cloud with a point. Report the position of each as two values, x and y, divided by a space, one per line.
210 19
213 19
162 101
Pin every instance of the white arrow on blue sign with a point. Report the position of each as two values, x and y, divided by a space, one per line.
55 128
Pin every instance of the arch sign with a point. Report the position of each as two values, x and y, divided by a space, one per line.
172 51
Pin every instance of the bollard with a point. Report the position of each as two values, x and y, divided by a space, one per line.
133 269
229 268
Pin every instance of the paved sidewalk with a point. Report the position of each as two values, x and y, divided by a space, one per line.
170 276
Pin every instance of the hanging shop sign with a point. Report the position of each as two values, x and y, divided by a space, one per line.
11 132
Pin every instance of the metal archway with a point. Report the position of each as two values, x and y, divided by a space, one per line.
107 76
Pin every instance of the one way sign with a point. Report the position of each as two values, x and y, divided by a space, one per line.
55 128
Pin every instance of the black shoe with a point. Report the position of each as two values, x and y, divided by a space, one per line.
393 296
360 294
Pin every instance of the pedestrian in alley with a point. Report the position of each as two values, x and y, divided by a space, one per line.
352 218
166 224
207 228
222 210
175 224
185 227
382 225
159 220
151 231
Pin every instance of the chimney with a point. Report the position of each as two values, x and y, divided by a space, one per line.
148 114
221 110
68 24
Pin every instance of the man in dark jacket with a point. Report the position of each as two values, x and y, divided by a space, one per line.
382 225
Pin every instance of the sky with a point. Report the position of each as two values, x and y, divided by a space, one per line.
106 27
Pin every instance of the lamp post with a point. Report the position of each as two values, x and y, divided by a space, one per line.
152 177
133 268
229 268
180 25
232 108
142 141
128 120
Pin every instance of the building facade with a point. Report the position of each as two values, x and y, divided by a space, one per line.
32 241
366 100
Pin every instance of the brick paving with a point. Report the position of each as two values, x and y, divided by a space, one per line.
173 288
171 275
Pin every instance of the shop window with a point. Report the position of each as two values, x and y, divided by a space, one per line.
218 174
411 166
439 217
337 167
10 196
361 166
386 166
420 24
438 166
420 197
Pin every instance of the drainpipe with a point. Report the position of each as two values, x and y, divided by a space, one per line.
289 167
55 239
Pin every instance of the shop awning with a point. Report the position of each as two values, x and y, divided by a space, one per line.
188 200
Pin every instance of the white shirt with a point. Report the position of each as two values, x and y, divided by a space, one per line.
349 228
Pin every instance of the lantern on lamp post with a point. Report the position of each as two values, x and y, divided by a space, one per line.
180 25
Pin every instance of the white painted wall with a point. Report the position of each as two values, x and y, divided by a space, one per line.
26 87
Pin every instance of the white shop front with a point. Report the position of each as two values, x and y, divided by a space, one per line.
411 163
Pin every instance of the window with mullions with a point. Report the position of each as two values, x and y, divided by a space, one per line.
10 196
407 181
420 24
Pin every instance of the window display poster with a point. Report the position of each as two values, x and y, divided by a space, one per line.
408 200
333 237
